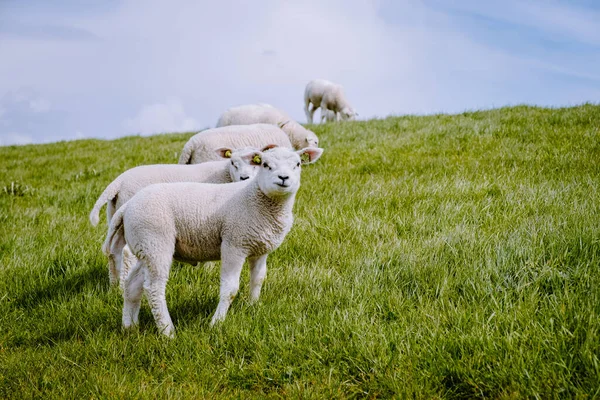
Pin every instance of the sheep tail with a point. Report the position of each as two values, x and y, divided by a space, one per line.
115 229
109 194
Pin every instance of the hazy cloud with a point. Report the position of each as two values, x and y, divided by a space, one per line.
146 66
9 138
165 117
44 32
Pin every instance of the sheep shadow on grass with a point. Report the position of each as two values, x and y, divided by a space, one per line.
61 280
191 309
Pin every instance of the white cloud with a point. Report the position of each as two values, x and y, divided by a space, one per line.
27 117
158 118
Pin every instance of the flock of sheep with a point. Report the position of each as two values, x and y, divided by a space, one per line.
230 198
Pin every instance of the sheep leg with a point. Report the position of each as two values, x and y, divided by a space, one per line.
309 113
112 270
128 259
312 112
155 287
132 294
231 267
111 209
115 259
258 272
324 113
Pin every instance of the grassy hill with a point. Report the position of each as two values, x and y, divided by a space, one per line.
438 256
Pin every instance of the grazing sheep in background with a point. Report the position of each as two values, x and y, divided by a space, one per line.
239 167
267 114
194 222
201 147
329 97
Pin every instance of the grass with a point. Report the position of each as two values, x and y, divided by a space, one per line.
445 256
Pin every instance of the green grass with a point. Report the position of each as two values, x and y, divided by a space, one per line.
451 256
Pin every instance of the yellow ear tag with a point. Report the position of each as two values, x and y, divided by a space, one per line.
228 154
305 157
256 159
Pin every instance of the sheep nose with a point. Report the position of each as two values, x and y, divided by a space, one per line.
243 178
283 178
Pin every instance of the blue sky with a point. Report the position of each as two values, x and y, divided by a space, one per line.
74 69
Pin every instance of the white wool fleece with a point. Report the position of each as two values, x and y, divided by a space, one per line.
202 146
235 165
196 222
267 114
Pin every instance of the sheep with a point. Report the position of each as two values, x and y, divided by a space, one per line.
267 114
201 147
202 222
239 167
329 97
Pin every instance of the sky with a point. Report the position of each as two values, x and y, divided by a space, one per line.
72 69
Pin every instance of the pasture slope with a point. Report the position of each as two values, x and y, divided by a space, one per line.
444 256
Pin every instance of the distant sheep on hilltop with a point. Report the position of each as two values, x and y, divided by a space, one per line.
330 98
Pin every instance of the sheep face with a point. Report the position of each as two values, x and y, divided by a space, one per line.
280 171
348 114
312 140
243 164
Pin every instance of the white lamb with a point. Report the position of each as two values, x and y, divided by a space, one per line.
202 146
267 114
201 222
330 98
239 166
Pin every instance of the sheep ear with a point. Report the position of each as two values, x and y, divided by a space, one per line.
224 152
310 154
254 158
269 147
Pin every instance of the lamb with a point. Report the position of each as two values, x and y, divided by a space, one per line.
201 147
267 114
239 166
202 222
329 97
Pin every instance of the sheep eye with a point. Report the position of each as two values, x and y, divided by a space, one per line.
232 163
297 165
266 165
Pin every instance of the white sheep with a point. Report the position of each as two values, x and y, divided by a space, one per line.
201 147
239 166
194 222
330 98
267 114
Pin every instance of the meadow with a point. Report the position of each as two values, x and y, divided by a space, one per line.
442 256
